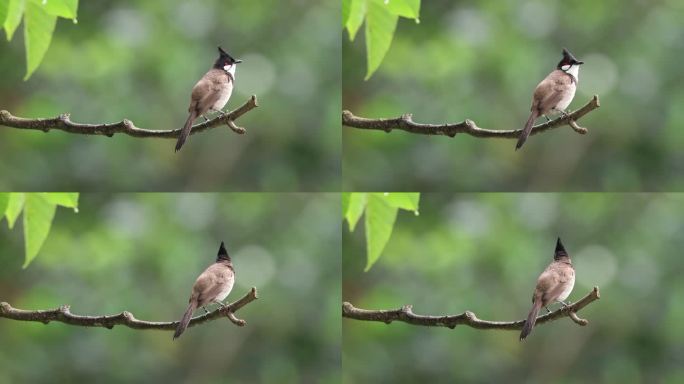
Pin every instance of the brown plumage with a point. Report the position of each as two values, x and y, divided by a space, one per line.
553 285
211 93
212 286
553 94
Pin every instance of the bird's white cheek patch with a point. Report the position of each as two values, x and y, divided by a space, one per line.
227 67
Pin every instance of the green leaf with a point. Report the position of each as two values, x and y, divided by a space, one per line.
357 11
405 8
62 8
4 8
346 4
15 9
38 215
38 28
65 199
4 200
380 27
403 200
357 202
345 203
380 218
14 206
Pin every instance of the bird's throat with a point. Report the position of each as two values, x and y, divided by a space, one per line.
574 72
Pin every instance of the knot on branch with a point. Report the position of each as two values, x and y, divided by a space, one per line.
64 118
5 115
346 307
127 315
470 316
407 118
346 115
128 124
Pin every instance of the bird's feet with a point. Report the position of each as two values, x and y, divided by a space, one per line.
219 111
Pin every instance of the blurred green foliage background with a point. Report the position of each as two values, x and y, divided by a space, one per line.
484 252
142 253
481 60
140 59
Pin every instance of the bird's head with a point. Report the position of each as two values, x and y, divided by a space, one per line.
225 61
568 61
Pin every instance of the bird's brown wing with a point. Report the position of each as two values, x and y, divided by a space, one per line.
560 276
550 91
548 282
209 284
204 95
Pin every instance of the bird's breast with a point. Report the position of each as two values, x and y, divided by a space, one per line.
225 90
570 284
223 293
567 95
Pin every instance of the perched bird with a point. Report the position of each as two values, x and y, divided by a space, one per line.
553 285
212 286
554 93
211 93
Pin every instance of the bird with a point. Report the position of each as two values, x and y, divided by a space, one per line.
554 93
211 93
553 285
212 286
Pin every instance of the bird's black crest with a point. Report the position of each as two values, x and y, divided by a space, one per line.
222 253
568 59
225 59
560 250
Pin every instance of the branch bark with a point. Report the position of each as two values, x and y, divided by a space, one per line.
63 123
64 315
406 315
406 123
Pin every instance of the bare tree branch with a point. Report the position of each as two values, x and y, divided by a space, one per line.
64 315
406 123
64 123
468 318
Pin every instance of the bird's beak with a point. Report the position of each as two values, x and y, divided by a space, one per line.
237 61
580 62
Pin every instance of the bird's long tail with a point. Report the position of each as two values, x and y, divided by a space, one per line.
185 132
183 324
531 319
526 131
